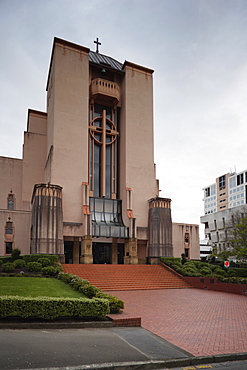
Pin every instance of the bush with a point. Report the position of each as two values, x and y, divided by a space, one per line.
236 280
15 254
51 308
91 291
204 271
190 265
19 264
190 271
219 271
44 261
53 258
116 305
5 259
66 277
240 272
8 267
34 266
170 260
49 271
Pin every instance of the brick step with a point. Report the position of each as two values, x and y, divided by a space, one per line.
128 277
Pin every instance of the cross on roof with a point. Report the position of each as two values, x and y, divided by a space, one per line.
98 43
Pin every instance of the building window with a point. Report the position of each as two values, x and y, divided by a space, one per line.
232 182
11 202
9 228
207 192
103 151
240 179
8 247
186 238
222 181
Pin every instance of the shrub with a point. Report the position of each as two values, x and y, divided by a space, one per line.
15 254
51 308
6 259
116 305
49 270
190 266
34 266
19 264
89 290
65 277
233 279
44 261
8 267
240 272
34 257
190 271
220 271
180 270
204 271
170 260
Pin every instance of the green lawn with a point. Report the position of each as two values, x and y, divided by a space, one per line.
36 287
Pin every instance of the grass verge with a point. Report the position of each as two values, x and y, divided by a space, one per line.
36 287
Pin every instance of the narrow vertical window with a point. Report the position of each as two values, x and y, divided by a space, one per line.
103 134
9 228
8 247
11 202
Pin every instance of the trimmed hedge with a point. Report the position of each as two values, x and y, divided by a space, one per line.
35 257
83 286
51 308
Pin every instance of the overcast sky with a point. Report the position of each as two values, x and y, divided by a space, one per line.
198 49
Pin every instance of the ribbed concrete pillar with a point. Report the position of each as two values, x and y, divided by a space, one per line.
160 228
47 220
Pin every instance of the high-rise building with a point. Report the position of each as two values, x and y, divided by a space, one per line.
223 200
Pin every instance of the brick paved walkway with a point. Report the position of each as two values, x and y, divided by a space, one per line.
198 321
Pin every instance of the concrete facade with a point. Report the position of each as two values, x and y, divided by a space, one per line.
224 200
186 240
86 187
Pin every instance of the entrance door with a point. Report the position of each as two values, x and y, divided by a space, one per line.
101 253
68 251
120 254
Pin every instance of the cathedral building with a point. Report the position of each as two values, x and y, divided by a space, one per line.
86 187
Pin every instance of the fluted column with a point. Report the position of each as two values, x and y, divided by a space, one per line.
160 228
47 220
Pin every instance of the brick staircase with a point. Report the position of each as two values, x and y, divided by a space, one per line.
127 277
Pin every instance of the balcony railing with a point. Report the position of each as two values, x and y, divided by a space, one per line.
99 86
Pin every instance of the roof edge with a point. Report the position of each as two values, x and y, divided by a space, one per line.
69 44
137 66
37 112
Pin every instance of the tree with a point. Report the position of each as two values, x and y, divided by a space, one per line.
239 240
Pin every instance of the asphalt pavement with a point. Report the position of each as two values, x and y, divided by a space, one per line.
94 348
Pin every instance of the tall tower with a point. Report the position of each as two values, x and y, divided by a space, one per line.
100 155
